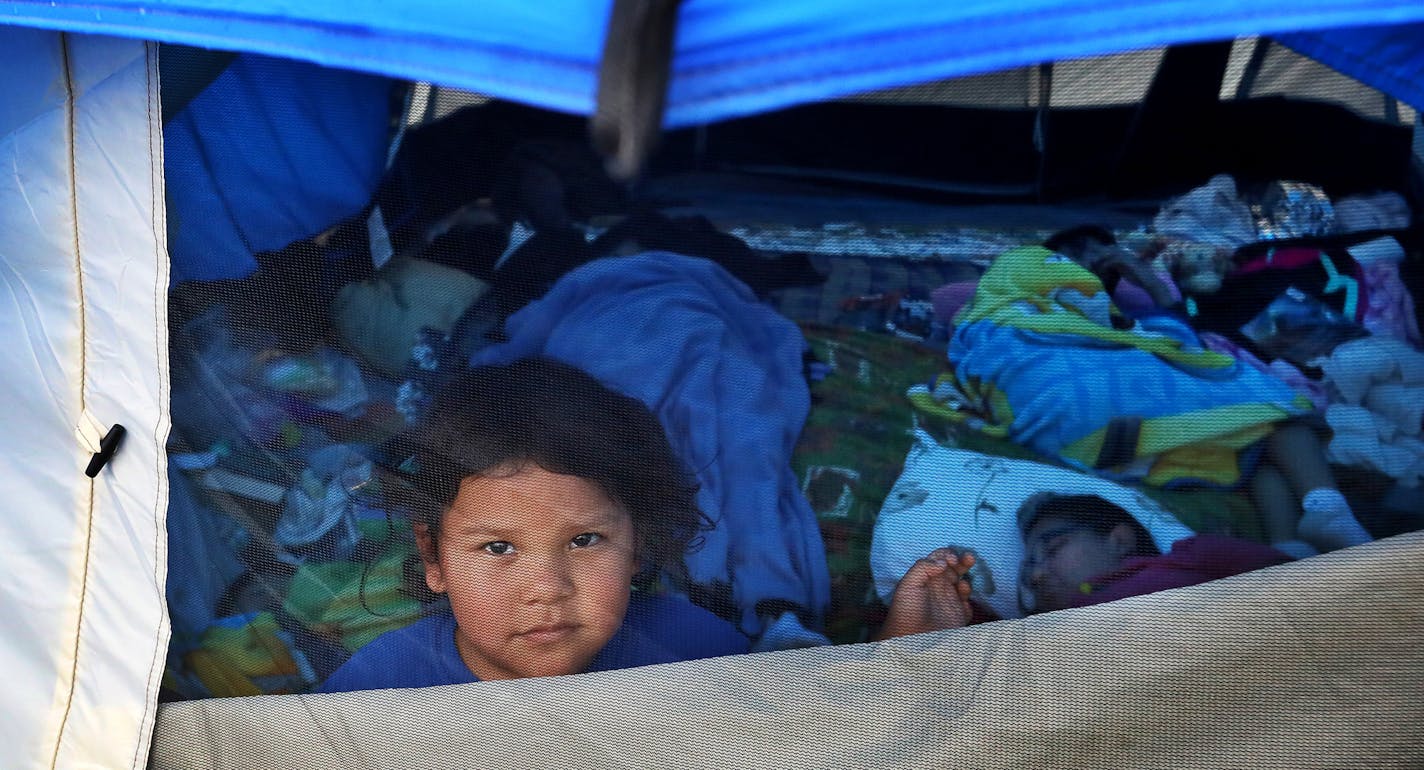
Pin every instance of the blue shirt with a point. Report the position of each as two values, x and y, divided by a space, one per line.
657 629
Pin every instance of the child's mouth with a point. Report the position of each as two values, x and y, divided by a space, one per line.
547 634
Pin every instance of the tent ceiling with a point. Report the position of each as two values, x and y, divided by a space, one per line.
737 57
1388 58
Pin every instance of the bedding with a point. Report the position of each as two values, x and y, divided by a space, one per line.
1041 369
970 501
878 472
850 452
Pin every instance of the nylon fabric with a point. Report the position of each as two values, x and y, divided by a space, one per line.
732 57
39 308
1386 57
1285 667
123 629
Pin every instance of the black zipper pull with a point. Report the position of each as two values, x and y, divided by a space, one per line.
108 445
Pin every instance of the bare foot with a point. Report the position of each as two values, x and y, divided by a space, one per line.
933 596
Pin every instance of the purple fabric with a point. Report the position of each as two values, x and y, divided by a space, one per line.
1136 302
1191 561
1282 370
949 298
1389 308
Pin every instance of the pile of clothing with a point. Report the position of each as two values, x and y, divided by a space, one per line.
1377 407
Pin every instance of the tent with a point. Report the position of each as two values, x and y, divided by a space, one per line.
1309 664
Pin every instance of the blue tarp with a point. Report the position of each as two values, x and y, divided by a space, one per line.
736 57
1389 58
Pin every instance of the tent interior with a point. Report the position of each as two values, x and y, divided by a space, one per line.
850 310
342 244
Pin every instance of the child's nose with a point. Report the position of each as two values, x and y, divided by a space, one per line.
551 580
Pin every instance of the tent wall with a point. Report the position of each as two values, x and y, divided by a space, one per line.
732 58
84 277
1290 667
992 151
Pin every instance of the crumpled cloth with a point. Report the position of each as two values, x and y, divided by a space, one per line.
1281 369
1363 438
1378 383
1358 365
1377 211
1389 310
1213 214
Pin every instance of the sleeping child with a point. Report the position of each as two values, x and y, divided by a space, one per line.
1082 550
540 497
1041 356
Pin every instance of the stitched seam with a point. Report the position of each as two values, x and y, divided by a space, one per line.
155 149
71 107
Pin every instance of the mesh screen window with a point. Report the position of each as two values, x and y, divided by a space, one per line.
451 404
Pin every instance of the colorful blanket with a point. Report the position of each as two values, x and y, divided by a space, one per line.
854 444
1037 359
852 449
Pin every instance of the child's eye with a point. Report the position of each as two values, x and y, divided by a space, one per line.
585 540
499 547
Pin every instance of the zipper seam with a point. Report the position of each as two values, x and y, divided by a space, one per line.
71 107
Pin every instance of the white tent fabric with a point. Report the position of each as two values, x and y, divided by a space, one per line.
84 311
1311 664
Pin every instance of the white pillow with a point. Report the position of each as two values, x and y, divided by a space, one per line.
379 318
968 500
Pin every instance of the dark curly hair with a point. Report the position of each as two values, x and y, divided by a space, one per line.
496 419
1097 514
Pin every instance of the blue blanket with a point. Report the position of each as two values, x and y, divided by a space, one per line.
272 151
724 375
1036 348
1064 387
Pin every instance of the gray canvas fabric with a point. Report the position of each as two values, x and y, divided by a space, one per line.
1312 664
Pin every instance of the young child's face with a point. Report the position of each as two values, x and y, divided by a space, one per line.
538 567
1062 556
